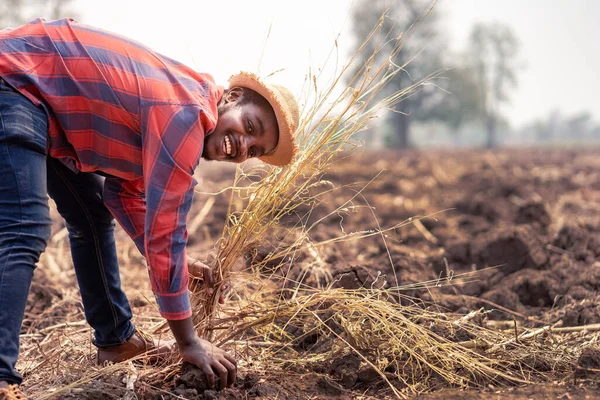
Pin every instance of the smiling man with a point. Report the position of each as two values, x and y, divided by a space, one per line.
111 129
247 126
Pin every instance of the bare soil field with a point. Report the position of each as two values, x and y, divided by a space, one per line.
523 224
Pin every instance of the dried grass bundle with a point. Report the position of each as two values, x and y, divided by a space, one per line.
328 123
410 349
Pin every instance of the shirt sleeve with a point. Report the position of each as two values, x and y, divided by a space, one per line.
173 137
126 200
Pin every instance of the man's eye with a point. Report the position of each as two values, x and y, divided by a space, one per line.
250 127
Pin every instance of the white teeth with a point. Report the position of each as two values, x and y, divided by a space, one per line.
227 145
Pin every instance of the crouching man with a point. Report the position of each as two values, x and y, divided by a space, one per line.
113 130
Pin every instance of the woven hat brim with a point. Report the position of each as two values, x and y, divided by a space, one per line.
286 148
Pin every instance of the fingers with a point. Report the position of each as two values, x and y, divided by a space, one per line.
210 375
223 374
217 362
224 289
231 370
197 269
230 358
194 268
208 278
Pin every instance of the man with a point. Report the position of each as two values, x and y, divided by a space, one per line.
109 128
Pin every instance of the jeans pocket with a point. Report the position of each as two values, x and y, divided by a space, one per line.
22 123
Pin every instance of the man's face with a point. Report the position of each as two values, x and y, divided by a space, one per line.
242 131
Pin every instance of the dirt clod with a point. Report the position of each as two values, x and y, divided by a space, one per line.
533 213
589 358
513 249
345 370
195 378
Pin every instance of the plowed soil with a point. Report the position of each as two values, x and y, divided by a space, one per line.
527 220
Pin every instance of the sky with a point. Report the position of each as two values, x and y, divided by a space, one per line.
560 59
559 50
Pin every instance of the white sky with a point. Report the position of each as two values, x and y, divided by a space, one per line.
559 49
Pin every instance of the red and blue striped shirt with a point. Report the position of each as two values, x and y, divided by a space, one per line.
116 107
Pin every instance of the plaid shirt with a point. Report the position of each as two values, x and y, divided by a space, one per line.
118 108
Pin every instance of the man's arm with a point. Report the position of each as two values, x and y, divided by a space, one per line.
169 162
173 141
126 202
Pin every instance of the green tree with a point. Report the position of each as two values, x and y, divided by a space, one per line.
493 51
423 48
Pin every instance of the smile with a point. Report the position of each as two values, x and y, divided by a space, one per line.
227 148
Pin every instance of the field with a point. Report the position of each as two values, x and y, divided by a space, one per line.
509 237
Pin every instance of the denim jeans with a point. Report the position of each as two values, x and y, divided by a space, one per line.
27 176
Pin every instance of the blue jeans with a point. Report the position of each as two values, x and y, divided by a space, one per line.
27 175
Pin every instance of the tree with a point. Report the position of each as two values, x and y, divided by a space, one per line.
493 52
557 127
423 43
17 12
458 104
579 126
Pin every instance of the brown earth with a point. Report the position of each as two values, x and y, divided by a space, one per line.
527 220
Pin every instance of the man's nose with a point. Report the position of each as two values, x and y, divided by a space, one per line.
243 150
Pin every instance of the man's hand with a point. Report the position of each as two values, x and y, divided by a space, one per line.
199 270
203 354
211 360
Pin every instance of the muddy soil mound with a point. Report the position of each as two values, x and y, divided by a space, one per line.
530 216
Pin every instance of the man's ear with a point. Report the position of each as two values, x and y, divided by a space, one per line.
233 95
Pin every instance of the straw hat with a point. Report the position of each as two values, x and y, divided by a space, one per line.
286 112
